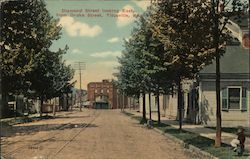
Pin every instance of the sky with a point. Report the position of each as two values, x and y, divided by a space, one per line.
94 31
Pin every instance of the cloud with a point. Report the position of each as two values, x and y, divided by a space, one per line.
142 4
124 20
113 40
106 54
76 51
76 28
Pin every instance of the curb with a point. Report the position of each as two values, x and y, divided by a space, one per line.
188 147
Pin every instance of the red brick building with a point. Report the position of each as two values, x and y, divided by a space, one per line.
103 95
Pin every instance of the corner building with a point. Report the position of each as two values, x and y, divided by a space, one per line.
104 95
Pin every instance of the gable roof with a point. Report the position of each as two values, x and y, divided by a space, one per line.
235 61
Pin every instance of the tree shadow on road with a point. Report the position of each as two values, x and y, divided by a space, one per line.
17 130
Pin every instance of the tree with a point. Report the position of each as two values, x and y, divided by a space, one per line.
131 80
51 76
27 30
196 32
221 12
180 27
155 60
144 63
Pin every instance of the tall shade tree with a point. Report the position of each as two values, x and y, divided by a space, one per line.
155 60
51 76
180 27
196 32
27 29
222 11
144 64
131 78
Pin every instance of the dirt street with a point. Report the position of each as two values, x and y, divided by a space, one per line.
91 134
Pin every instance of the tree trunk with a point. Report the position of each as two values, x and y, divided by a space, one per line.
4 110
218 107
41 107
144 107
134 103
123 102
149 104
179 103
54 107
217 51
67 102
120 102
158 107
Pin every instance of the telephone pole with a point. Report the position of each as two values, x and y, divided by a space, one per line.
80 66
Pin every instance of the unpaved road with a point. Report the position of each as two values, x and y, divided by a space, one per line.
91 134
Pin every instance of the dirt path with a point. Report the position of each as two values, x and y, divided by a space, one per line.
110 135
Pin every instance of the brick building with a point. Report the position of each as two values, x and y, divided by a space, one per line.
103 95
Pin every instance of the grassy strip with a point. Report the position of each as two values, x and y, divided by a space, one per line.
203 143
21 120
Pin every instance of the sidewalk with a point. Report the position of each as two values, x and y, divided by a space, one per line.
197 129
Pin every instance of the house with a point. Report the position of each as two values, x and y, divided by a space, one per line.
199 95
235 81
235 92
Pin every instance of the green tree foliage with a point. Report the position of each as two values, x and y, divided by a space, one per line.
131 78
185 29
51 76
155 59
143 64
27 32
222 12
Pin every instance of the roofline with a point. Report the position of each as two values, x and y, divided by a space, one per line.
225 76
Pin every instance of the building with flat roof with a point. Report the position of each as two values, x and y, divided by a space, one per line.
104 95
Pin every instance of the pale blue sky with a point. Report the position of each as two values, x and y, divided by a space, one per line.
97 41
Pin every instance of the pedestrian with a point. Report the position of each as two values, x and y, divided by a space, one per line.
239 143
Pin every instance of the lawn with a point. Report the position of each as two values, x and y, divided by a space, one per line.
20 120
203 143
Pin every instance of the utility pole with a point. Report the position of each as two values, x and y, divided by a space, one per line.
80 66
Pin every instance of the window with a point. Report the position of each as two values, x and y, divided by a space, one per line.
234 98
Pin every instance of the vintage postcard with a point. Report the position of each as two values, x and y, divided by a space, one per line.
124 79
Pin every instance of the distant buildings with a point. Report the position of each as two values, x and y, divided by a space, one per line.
104 95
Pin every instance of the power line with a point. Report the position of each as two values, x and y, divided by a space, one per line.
80 66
